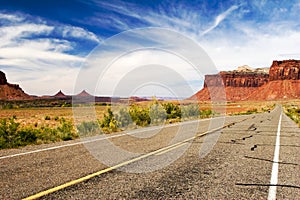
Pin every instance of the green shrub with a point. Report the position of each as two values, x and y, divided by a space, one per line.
88 128
66 130
109 123
13 135
123 118
190 111
28 135
140 115
206 113
9 137
7 106
157 113
47 117
293 113
173 111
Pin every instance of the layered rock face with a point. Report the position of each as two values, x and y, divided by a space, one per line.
282 81
237 79
285 70
11 91
231 86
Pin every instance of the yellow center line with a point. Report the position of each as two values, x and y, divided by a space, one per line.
157 152
170 149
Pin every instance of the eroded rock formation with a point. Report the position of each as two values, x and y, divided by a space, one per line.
11 91
237 79
3 80
282 81
285 70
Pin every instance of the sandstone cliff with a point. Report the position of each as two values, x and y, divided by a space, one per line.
285 70
237 79
282 81
11 91
236 85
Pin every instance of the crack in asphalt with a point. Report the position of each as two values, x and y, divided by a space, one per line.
282 145
267 185
252 127
263 159
244 138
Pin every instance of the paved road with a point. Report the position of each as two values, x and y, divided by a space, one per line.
178 161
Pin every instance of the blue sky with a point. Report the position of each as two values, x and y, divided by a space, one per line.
44 43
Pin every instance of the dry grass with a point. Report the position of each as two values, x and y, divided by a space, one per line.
36 116
292 109
32 116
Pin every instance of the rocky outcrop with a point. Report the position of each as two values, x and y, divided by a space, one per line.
282 81
60 94
233 85
11 91
285 70
3 80
237 79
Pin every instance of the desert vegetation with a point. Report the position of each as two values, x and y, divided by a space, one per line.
155 113
248 108
293 111
12 134
26 126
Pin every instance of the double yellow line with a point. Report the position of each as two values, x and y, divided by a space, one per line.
157 152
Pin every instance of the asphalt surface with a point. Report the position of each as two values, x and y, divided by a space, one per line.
184 161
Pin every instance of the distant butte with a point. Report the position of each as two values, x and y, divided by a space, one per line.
84 94
60 94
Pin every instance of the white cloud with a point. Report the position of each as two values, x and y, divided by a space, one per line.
10 35
78 32
133 57
30 55
219 19
24 52
184 21
137 68
10 18
258 51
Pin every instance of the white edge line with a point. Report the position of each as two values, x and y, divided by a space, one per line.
274 176
103 138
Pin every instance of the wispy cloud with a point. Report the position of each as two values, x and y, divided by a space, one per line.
219 19
11 35
42 48
10 18
130 16
77 32
176 16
